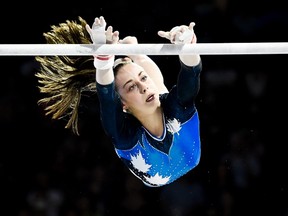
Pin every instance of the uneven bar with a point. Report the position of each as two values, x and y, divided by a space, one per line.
147 49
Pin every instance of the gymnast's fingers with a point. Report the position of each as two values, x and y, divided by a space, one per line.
164 34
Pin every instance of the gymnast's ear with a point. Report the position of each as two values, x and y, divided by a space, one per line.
125 109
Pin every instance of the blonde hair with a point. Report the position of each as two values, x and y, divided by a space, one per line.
62 79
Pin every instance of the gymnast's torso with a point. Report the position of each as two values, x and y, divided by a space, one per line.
160 161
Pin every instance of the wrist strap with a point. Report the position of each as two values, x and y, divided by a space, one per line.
103 62
103 57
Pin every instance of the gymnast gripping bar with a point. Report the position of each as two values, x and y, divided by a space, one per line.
147 49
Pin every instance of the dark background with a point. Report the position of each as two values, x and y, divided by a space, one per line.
45 170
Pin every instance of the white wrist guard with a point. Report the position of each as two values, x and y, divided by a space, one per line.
97 33
98 36
183 38
186 37
104 62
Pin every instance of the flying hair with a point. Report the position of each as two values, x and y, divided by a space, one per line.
63 79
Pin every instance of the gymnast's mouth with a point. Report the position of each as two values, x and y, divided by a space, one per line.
150 98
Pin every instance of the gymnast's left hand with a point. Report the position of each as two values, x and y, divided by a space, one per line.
180 34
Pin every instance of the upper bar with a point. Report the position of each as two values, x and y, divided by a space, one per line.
147 49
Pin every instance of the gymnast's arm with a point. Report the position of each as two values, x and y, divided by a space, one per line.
188 83
110 103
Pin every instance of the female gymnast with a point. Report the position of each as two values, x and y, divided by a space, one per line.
155 132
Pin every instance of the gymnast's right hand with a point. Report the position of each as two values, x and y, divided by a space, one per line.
99 35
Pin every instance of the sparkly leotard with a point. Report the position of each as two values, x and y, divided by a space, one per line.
157 161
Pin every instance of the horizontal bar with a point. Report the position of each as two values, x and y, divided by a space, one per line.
147 49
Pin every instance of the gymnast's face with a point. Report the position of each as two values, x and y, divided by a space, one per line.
138 92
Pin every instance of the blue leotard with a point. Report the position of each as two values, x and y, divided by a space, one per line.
157 161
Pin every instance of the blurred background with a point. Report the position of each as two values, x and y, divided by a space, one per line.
45 170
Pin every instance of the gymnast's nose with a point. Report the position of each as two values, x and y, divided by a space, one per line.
143 88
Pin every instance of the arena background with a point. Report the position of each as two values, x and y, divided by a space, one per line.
45 170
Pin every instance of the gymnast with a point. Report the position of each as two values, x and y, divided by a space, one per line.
155 132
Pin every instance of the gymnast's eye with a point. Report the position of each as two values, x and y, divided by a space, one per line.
144 78
132 87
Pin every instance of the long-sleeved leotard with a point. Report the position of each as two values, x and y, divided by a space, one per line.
157 161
